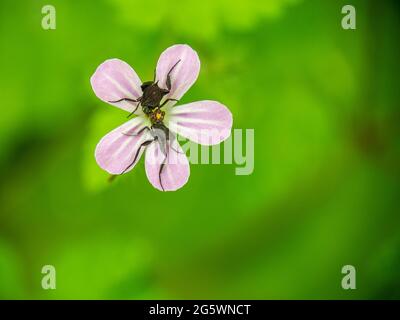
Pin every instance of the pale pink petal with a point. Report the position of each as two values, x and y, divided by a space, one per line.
116 151
204 122
183 75
113 80
176 169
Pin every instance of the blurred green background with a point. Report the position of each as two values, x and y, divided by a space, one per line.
324 103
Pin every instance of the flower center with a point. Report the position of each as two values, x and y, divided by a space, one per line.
157 116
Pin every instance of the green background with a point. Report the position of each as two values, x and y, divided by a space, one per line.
324 103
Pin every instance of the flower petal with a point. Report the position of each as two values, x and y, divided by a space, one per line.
205 122
120 150
167 172
183 75
113 80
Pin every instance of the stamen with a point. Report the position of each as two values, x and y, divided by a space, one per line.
157 116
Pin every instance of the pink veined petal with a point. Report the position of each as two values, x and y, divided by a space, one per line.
204 122
113 80
120 150
184 73
176 170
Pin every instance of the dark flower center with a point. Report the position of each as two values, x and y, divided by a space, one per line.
157 116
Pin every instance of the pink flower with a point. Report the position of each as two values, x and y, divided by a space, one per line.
157 118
